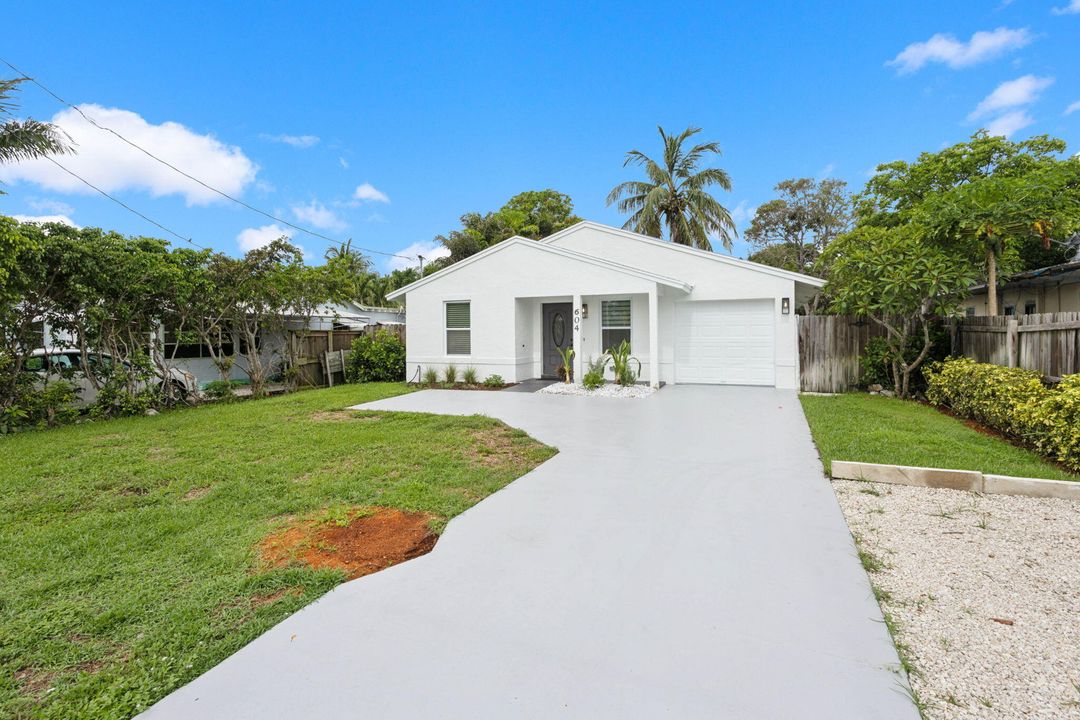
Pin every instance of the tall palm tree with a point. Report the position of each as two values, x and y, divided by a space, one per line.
24 139
676 195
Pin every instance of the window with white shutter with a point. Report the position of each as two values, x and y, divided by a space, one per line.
614 323
458 328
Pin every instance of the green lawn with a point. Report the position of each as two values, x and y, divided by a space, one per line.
872 428
115 588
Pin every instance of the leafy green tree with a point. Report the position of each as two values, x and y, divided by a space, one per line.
398 279
675 197
25 139
25 286
990 219
186 286
899 280
273 296
898 188
346 271
792 230
374 289
533 214
992 200
538 213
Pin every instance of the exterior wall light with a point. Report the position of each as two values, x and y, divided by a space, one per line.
785 306
584 310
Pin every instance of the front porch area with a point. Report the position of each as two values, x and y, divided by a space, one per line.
546 327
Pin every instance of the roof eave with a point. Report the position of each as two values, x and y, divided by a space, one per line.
767 269
573 254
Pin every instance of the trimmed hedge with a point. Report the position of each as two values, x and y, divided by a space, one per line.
1013 401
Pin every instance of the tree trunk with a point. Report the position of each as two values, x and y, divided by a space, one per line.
991 283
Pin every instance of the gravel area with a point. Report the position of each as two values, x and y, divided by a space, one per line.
984 591
607 390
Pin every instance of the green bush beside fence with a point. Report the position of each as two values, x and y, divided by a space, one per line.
378 358
1013 401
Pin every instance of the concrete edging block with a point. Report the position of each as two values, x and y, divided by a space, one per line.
969 480
1032 487
903 475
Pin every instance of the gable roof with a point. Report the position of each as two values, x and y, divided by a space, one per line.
704 254
518 241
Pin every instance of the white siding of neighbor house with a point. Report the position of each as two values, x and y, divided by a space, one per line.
507 289
712 279
1063 296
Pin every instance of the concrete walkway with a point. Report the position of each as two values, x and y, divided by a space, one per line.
681 557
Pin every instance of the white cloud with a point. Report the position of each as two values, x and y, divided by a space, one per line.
1072 108
983 45
113 165
343 162
297 141
1009 123
827 171
1021 91
252 238
368 193
45 219
317 214
1071 9
743 213
430 249
46 205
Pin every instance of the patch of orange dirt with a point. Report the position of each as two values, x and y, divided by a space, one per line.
371 540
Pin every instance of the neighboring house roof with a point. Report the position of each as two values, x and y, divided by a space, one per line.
1038 276
705 254
518 241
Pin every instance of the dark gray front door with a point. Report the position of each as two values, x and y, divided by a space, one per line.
558 333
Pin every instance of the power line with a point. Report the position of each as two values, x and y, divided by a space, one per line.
169 165
124 205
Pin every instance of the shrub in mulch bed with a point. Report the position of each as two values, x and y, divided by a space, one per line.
1013 401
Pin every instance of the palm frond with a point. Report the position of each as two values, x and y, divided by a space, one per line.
709 176
26 139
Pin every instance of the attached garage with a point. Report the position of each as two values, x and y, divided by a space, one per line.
725 342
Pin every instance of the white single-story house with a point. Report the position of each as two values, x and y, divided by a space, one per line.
691 316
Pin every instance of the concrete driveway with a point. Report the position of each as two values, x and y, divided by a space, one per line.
681 557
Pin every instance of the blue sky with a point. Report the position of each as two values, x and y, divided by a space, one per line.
385 123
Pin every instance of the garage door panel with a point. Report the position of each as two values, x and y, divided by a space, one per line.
725 342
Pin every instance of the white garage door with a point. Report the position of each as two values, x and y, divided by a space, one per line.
725 341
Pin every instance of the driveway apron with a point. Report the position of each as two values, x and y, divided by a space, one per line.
682 556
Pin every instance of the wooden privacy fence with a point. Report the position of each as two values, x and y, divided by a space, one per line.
1048 343
829 350
315 344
